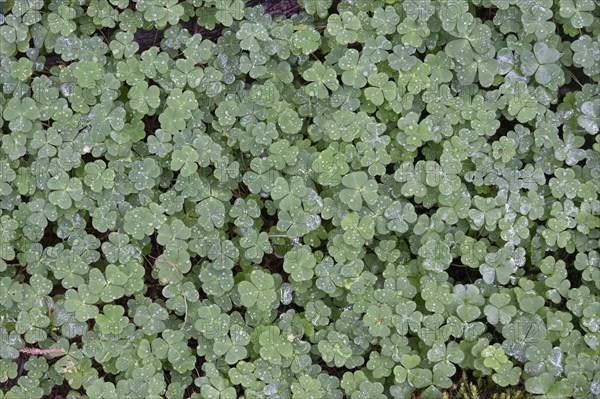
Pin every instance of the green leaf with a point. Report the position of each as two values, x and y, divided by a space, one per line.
274 346
322 79
359 188
300 263
21 114
112 321
259 291
344 27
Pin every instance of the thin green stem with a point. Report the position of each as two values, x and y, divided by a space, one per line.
186 310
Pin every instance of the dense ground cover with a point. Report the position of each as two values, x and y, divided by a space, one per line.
359 199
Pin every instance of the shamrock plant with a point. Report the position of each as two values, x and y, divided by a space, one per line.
299 199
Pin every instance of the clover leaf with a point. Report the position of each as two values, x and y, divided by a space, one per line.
321 78
344 27
499 309
109 286
578 12
102 390
179 106
112 321
334 349
228 10
408 371
356 68
81 302
542 63
212 323
97 177
305 40
138 223
318 7
21 114
259 291
151 318
143 98
288 195
274 346
523 105
65 190
590 120
233 346
62 21
359 188
300 263
585 51
357 230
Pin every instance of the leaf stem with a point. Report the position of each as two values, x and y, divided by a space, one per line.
186 310
575 78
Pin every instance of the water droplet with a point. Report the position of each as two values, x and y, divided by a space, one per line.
270 390
66 41
286 294
66 90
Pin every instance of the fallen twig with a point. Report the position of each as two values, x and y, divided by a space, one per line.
40 352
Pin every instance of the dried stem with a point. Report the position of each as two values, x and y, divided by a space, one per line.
40 352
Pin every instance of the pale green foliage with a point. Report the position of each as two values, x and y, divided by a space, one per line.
357 199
